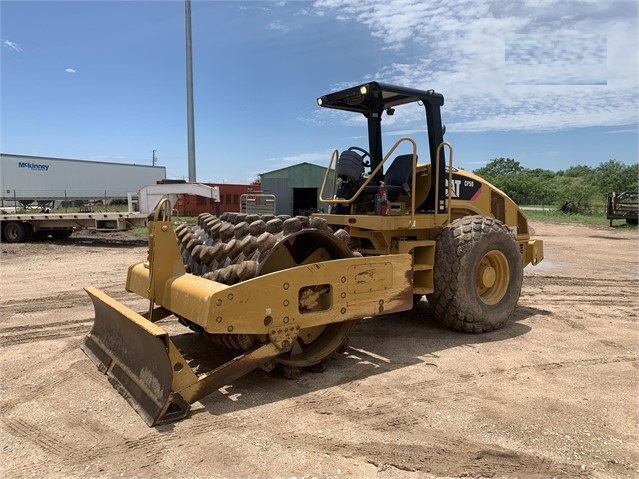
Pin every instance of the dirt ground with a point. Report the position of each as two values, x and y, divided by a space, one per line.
552 394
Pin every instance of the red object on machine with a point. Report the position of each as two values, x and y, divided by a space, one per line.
382 198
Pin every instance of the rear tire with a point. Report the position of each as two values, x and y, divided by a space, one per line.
478 275
14 232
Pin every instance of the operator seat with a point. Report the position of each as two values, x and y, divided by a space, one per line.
397 178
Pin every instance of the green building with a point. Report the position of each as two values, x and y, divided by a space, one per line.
297 188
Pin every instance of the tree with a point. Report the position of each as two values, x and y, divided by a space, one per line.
574 190
574 195
579 171
613 175
498 167
529 187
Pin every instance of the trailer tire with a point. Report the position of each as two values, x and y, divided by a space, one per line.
478 275
14 232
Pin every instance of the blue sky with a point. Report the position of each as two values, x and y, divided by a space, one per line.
550 83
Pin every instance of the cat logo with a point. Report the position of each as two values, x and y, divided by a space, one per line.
455 189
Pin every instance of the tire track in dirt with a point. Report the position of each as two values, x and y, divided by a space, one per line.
383 413
52 384
61 300
577 363
442 456
42 331
366 408
490 461
625 300
430 458
50 443
153 446
108 443
582 294
39 390
463 380
55 324
45 332
380 412
111 444
538 280
57 301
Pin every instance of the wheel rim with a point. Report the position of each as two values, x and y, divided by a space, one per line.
315 344
316 350
12 233
493 277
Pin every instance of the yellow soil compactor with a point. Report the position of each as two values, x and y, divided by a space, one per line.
285 292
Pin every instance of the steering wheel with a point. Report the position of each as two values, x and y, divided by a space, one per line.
365 154
361 150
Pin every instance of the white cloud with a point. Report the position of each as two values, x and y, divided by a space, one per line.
70 70
303 158
321 159
532 65
278 26
547 59
11 45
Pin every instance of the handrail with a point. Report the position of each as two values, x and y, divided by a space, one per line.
163 208
162 212
334 155
371 176
450 180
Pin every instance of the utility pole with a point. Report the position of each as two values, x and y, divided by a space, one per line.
154 159
189 93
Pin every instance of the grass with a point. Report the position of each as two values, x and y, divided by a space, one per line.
555 216
189 220
140 231
143 231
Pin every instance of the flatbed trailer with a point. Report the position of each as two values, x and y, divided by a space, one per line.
18 228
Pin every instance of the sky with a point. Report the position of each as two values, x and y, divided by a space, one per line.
549 83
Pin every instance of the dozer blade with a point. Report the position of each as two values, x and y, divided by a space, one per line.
134 353
143 364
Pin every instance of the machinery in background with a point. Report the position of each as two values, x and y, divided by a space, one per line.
623 206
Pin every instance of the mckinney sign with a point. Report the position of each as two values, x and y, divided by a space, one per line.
33 166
